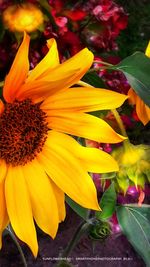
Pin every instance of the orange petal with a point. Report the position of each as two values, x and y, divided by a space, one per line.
18 72
38 90
1 106
141 198
3 210
59 78
142 110
132 96
3 170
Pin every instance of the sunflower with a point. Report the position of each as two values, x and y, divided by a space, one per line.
142 110
39 161
24 17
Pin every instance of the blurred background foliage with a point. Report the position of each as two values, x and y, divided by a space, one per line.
135 37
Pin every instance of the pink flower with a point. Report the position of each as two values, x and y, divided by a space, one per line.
62 24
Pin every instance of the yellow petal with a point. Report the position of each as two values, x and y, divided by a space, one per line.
76 62
84 99
1 106
3 212
19 207
83 125
60 197
147 52
39 90
59 78
3 170
143 111
67 173
50 61
43 200
18 72
93 159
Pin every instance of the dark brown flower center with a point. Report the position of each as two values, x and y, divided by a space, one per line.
23 131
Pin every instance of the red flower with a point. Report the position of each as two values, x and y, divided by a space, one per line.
75 15
57 5
70 41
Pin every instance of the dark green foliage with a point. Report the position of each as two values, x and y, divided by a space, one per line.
137 34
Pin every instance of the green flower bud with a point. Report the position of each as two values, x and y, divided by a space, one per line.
99 230
134 165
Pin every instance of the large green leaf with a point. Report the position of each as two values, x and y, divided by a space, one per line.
82 212
94 80
137 71
135 224
107 203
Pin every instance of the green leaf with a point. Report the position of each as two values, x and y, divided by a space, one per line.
94 80
107 203
135 224
82 212
136 68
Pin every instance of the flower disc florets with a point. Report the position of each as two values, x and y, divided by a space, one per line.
23 131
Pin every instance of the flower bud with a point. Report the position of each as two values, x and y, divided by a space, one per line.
99 230
134 165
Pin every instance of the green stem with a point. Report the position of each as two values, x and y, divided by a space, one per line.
126 142
84 84
119 121
102 62
106 66
47 10
10 231
97 69
76 238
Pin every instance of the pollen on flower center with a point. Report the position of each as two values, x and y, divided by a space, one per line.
23 131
